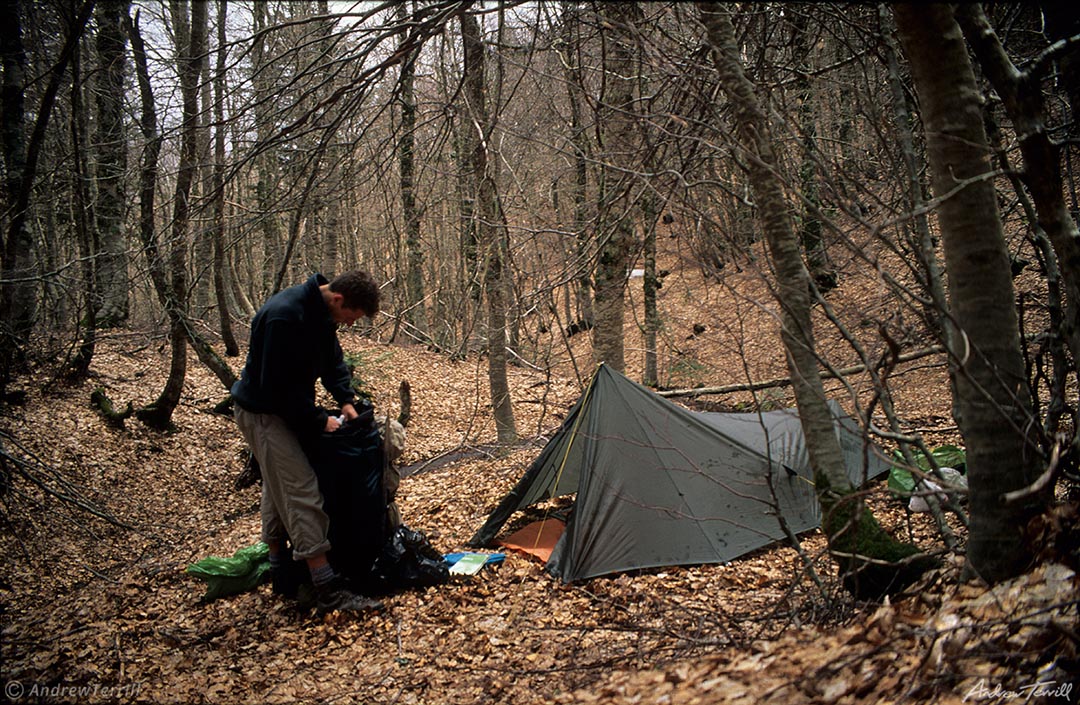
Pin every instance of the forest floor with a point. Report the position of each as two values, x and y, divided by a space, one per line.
96 612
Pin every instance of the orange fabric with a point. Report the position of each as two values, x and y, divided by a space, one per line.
536 539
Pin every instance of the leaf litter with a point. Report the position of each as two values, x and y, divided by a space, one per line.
89 603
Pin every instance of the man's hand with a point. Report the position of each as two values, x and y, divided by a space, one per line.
333 423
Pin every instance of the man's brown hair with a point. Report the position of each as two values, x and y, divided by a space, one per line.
359 291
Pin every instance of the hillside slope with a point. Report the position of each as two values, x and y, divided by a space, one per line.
88 604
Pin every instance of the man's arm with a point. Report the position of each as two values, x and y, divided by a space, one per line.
337 380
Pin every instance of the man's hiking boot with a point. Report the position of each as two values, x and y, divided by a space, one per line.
335 597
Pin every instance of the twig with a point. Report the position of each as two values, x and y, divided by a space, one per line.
1042 482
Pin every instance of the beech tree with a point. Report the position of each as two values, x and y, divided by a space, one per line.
570 55
1021 95
414 303
217 191
871 561
21 152
490 228
615 230
992 395
111 144
191 33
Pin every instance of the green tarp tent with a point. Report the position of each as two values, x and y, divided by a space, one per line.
659 485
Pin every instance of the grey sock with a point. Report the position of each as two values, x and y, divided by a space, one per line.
322 575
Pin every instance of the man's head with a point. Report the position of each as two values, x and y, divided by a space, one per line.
351 296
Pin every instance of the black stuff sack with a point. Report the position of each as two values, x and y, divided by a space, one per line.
408 560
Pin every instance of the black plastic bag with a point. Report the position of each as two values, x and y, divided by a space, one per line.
408 560
349 466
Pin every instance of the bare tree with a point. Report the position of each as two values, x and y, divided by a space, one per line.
414 255
1021 94
650 203
16 300
273 243
148 162
82 210
491 232
855 538
111 145
570 54
810 227
617 203
18 280
937 308
191 52
218 189
991 386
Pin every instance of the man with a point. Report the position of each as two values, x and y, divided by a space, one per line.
293 343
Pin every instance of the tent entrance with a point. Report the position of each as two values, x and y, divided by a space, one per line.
537 539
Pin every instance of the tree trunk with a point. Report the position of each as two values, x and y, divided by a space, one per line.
12 118
491 234
470 237
82 215
616 203
1021 94
18 290
937 311
202 222
991 388
650 204
858 543
1061 366
218 234
650 285
810 231
111 148
149 163
16 299
265 163
414 254
579 138
331 205
191 52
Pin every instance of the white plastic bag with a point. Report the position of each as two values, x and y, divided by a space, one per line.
953 482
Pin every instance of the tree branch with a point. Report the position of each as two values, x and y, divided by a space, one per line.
786 381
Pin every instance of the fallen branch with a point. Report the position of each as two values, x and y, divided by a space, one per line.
786 381
50 481
101 401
